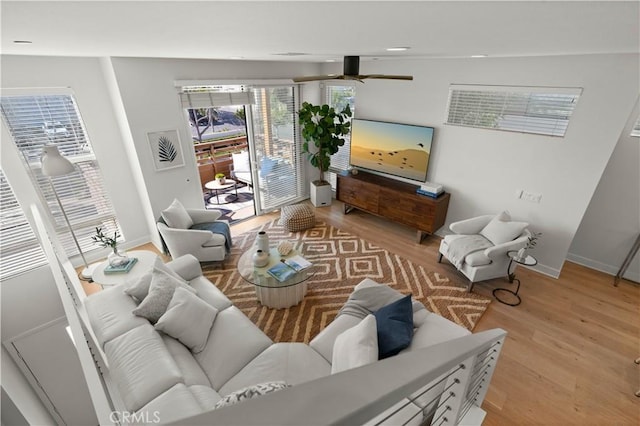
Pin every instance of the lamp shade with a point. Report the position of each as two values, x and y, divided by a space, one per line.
53 163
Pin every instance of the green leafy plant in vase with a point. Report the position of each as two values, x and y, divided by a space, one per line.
221 178
325 128
116 257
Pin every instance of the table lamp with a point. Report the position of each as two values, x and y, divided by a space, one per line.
54 164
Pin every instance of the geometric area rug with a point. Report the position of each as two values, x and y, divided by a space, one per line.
341 261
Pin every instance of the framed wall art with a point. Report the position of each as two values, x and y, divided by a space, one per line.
165 150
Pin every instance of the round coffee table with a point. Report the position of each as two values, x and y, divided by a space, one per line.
144 263
271 292
218 187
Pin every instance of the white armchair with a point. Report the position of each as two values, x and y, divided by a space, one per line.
196 232
478 248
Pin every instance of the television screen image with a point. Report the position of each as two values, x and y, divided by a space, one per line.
392 148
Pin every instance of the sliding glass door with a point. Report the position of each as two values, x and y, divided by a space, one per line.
277 160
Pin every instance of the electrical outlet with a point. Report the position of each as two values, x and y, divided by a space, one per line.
530 196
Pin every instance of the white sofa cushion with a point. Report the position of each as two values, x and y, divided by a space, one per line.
188 319
110 313
323 343
139 288
500 231
434 330
293 363
161 291
233 342
190 370
176 403
141 365
477 258
356 347
177 216
208 292
206 397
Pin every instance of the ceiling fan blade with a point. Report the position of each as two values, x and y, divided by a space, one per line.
315 78
388 77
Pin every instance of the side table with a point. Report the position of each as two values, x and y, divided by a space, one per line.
218 187
527 261
144 263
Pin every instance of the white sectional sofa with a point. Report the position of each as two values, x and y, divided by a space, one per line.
158 375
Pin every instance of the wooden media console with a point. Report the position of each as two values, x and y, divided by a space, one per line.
394 200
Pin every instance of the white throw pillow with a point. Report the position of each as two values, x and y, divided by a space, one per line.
176 216
139 288
356 346
160 294
499 231
188 319
250 392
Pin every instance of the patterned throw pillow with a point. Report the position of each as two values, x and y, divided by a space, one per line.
250 392
297 217
160 294
139 287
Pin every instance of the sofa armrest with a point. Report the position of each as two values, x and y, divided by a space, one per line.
204 216
187 266
499 250
471 226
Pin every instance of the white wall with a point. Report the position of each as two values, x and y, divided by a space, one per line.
483 168
611 223
151 103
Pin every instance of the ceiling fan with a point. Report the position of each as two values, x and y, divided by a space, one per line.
351 71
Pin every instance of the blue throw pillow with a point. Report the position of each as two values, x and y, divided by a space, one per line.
395 327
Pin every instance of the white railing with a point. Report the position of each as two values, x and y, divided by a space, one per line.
453 376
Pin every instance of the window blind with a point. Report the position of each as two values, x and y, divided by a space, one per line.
538 110
635 132
20 250
277 147
215 96
36 120
339 96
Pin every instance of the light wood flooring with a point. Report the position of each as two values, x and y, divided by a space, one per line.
568 357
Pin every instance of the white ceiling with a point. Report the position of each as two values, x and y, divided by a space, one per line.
324 30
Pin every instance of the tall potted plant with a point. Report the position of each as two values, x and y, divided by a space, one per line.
326 129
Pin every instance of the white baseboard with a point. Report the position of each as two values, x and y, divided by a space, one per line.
545 270
602 267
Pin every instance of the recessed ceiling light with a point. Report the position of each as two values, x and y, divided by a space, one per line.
236 57
330 60
479 56
22 41
397 49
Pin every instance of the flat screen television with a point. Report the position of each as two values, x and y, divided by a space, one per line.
391 148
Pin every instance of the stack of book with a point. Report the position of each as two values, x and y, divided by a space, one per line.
287 268
121 269
429 189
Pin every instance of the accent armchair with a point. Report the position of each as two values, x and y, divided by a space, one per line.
478 246
194 231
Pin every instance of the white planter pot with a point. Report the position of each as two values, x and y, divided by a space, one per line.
320 194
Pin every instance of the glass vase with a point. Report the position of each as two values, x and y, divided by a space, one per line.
117 258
